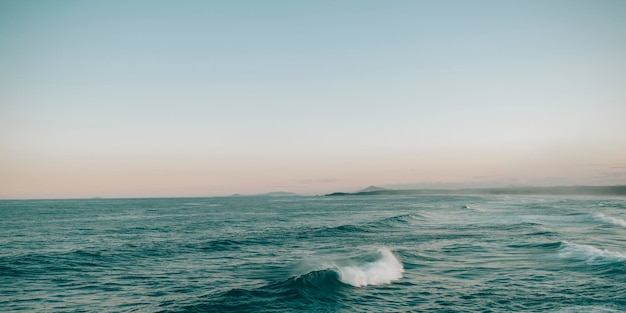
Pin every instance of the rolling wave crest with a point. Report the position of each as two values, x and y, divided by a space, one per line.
382 271
609 219
590 254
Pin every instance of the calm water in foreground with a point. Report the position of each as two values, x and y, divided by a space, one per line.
324 254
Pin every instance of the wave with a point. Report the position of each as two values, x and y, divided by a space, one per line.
382 271
397 219
590 254
325 288
332 232
222 245
297 293
551 246
364 228
589 308
379 268
401 220
609 219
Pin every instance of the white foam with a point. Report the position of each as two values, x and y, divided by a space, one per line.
611 220
383 271
589 309
590 254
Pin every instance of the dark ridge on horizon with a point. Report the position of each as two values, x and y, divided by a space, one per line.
372 188
268 194
618 190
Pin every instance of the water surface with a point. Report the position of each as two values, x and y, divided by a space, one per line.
329 254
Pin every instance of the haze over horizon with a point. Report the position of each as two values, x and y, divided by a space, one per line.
200 98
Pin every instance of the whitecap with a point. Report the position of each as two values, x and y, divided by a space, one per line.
590 254
609 219
382 271
590 309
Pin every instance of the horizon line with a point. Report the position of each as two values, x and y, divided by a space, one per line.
358 192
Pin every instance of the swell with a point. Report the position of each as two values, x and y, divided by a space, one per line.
89 258
382 271
590 254
324 289
321 289
587 258
394 220
549 246
579 256
360 228
616 221
219 245
573 251
53 263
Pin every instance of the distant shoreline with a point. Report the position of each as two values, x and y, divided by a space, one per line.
619 190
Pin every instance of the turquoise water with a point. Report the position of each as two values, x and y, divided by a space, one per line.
321 254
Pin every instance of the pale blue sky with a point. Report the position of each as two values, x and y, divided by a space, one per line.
193 98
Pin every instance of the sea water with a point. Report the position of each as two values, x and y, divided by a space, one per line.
321 254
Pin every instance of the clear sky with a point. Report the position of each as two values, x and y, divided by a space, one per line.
204 98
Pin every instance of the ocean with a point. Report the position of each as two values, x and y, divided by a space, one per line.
419 253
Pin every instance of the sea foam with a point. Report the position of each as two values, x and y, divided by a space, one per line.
611 220
590 254
590 309
382 271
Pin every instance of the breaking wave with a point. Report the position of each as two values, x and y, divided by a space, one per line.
323 287
382 271
590 254
589 309
609 219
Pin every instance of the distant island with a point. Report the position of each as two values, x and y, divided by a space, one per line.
556 190
372 189
269 194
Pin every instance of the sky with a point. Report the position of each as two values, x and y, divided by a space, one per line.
210 98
